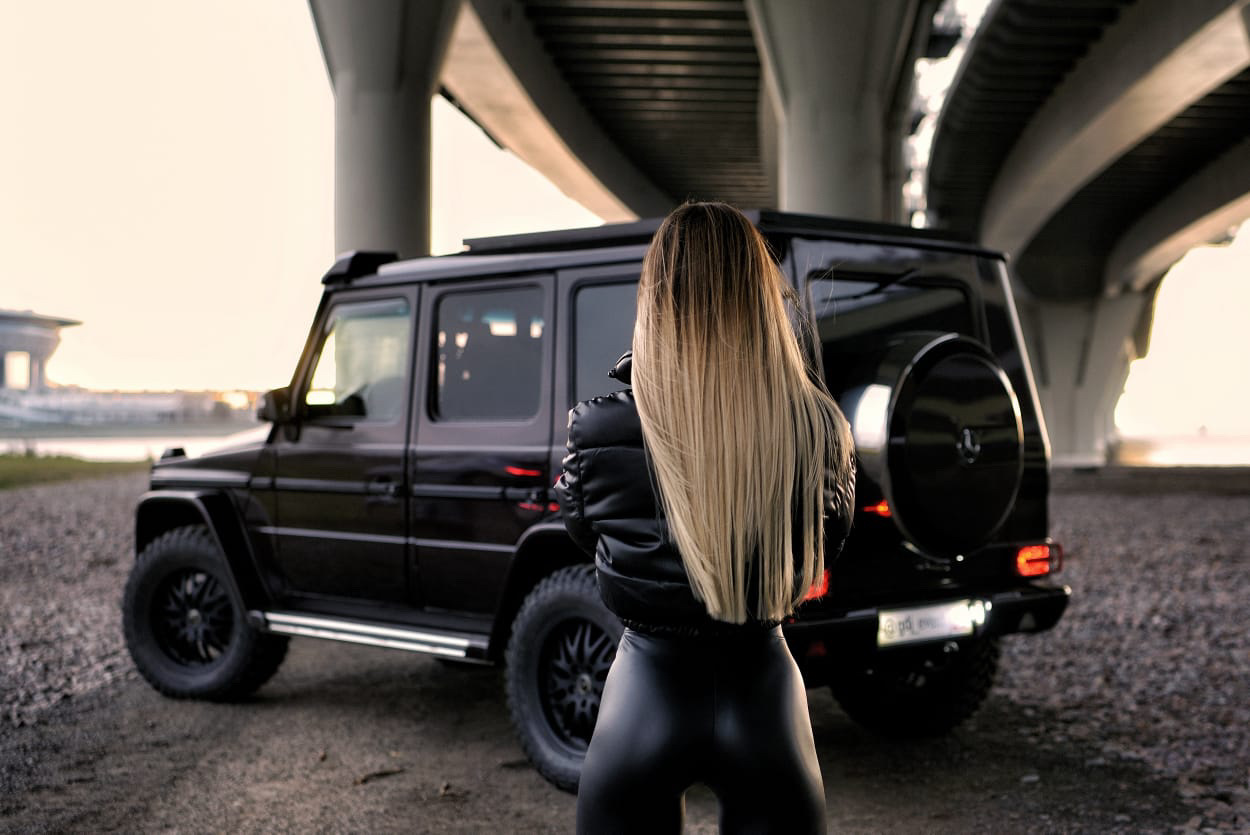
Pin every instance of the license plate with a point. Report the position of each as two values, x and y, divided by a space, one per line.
925 623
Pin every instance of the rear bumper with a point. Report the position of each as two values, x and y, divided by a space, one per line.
1031 608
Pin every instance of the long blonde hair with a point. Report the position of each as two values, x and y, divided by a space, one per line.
740 435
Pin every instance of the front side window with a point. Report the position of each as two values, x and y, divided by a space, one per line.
489 350
361 370
604 329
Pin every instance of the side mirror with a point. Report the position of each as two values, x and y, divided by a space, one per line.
275 406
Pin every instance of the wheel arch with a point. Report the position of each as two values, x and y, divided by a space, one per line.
160 511
542 549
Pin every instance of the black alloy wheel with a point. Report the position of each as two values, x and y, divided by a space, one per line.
576 658
192 617
187 634
563 643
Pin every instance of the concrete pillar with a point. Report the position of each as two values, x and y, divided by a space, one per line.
384 59
35 375
831 67
4 359
1081 353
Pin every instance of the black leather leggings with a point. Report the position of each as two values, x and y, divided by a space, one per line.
730 713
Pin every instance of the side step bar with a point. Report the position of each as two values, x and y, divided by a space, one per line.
447 645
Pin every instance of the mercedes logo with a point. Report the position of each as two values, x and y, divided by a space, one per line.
969 446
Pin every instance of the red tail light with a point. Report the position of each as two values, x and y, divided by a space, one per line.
511 470
819 588
1036 560
881 508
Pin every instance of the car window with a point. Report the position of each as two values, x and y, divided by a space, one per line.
850 304
361 369
854 311
489 349
603 330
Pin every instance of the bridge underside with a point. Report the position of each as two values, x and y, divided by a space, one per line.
628 106
1095 141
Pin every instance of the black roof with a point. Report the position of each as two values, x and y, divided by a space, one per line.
767 221
623 243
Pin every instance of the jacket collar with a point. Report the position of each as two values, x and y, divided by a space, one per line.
623 370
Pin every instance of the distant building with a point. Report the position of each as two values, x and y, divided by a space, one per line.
34 335
27 401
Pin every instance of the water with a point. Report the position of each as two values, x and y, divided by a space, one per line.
1185 451
137 448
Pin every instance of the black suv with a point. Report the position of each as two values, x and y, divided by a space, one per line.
402 495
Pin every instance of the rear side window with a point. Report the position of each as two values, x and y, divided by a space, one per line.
489 350
847 305
603 330
855 312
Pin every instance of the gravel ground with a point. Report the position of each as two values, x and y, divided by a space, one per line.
1152 660
1143 689
65 550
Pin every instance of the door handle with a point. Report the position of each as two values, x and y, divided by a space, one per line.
384 486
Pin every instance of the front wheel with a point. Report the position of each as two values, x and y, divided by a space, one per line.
563 643
184 630
921 692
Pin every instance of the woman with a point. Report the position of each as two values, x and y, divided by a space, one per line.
702 493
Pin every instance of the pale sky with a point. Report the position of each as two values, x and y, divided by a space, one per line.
166 176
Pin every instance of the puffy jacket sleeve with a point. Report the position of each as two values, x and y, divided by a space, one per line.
569 492
839 506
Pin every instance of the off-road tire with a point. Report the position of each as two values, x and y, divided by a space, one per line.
188 635
563 642
922 693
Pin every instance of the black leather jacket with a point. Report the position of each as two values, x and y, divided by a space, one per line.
610 510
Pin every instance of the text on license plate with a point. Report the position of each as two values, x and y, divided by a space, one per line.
923 623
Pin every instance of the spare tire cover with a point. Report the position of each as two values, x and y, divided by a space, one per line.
953 455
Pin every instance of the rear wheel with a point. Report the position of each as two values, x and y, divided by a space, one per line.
923 692
563 643
186 633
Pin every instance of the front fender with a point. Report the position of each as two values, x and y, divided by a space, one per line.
163 510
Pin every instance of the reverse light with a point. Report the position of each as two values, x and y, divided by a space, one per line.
1036 560
819 588
881 508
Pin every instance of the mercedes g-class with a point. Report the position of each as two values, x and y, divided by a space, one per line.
401 497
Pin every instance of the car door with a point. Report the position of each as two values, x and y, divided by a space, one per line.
483 430
340 483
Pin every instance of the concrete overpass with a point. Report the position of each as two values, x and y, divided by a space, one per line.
629 106
1095 141
1079 137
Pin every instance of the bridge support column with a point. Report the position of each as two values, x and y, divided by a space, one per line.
1081 353
384 59
831 68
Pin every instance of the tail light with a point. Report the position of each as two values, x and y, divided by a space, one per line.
819 588
1037 560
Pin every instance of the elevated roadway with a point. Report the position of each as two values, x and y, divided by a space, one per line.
1094 141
